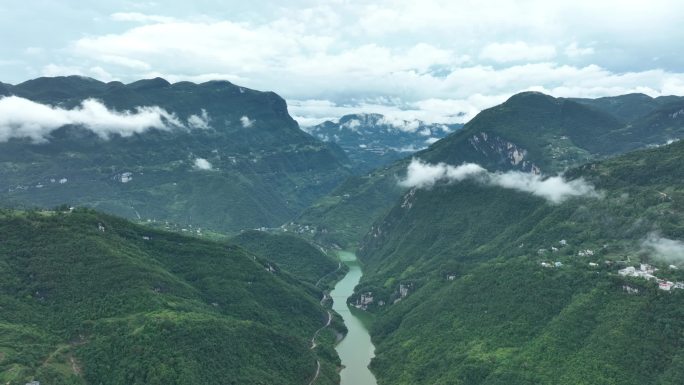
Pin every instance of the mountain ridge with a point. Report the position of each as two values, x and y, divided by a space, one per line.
249 146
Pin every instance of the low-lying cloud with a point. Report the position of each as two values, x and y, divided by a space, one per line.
23 118
425 175
668 250
200 121
246 121
203 164
554 189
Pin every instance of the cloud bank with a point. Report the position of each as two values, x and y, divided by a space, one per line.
23 118
668 250
347 53
554 189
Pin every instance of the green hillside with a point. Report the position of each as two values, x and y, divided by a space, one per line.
262 169
292 254
461 295
529 132
91 298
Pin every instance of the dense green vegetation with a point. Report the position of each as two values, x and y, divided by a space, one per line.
90 298
294 255
262 174
480 308
530 131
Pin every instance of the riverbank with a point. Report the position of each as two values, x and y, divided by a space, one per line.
356 349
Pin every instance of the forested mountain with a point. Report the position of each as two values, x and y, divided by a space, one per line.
374 140
292 254
88 298
475 282
530 132
212 155
631 106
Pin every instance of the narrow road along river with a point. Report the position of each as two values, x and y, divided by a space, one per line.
356 349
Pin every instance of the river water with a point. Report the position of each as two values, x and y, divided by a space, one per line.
356 349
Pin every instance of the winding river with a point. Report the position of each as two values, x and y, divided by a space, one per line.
356 349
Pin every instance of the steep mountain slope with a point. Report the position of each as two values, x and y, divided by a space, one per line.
474 283
219 140
90 298
628 107
529 132
292 254
373 140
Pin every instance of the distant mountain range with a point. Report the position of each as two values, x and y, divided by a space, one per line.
530 132
482 266
374 140
505 252
214 156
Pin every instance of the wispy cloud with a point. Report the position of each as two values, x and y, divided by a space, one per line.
668 250
425 175
246 122
517 51
200 121
555 189
23 118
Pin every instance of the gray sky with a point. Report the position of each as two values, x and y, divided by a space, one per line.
437 60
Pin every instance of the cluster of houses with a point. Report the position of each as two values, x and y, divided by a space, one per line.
366 299
554 249
646 272
555 264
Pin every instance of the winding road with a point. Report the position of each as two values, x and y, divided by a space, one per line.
317 332
356 349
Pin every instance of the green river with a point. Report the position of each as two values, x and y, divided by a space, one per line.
356 349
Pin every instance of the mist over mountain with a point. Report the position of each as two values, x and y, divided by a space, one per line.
483 278
373 140
530 132
212 155
384 192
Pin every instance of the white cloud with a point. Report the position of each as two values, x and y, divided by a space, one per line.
246 122
425 175
554 189
22 118
396 55
668 250
203 164
402 124
573 50
95 72
352 124
140 17
200 121
517 51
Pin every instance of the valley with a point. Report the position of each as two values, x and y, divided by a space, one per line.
356 349
524 247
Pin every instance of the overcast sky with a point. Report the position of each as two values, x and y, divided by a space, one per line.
436 60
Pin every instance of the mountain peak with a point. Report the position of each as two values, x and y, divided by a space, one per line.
149 84
532 99
53 89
